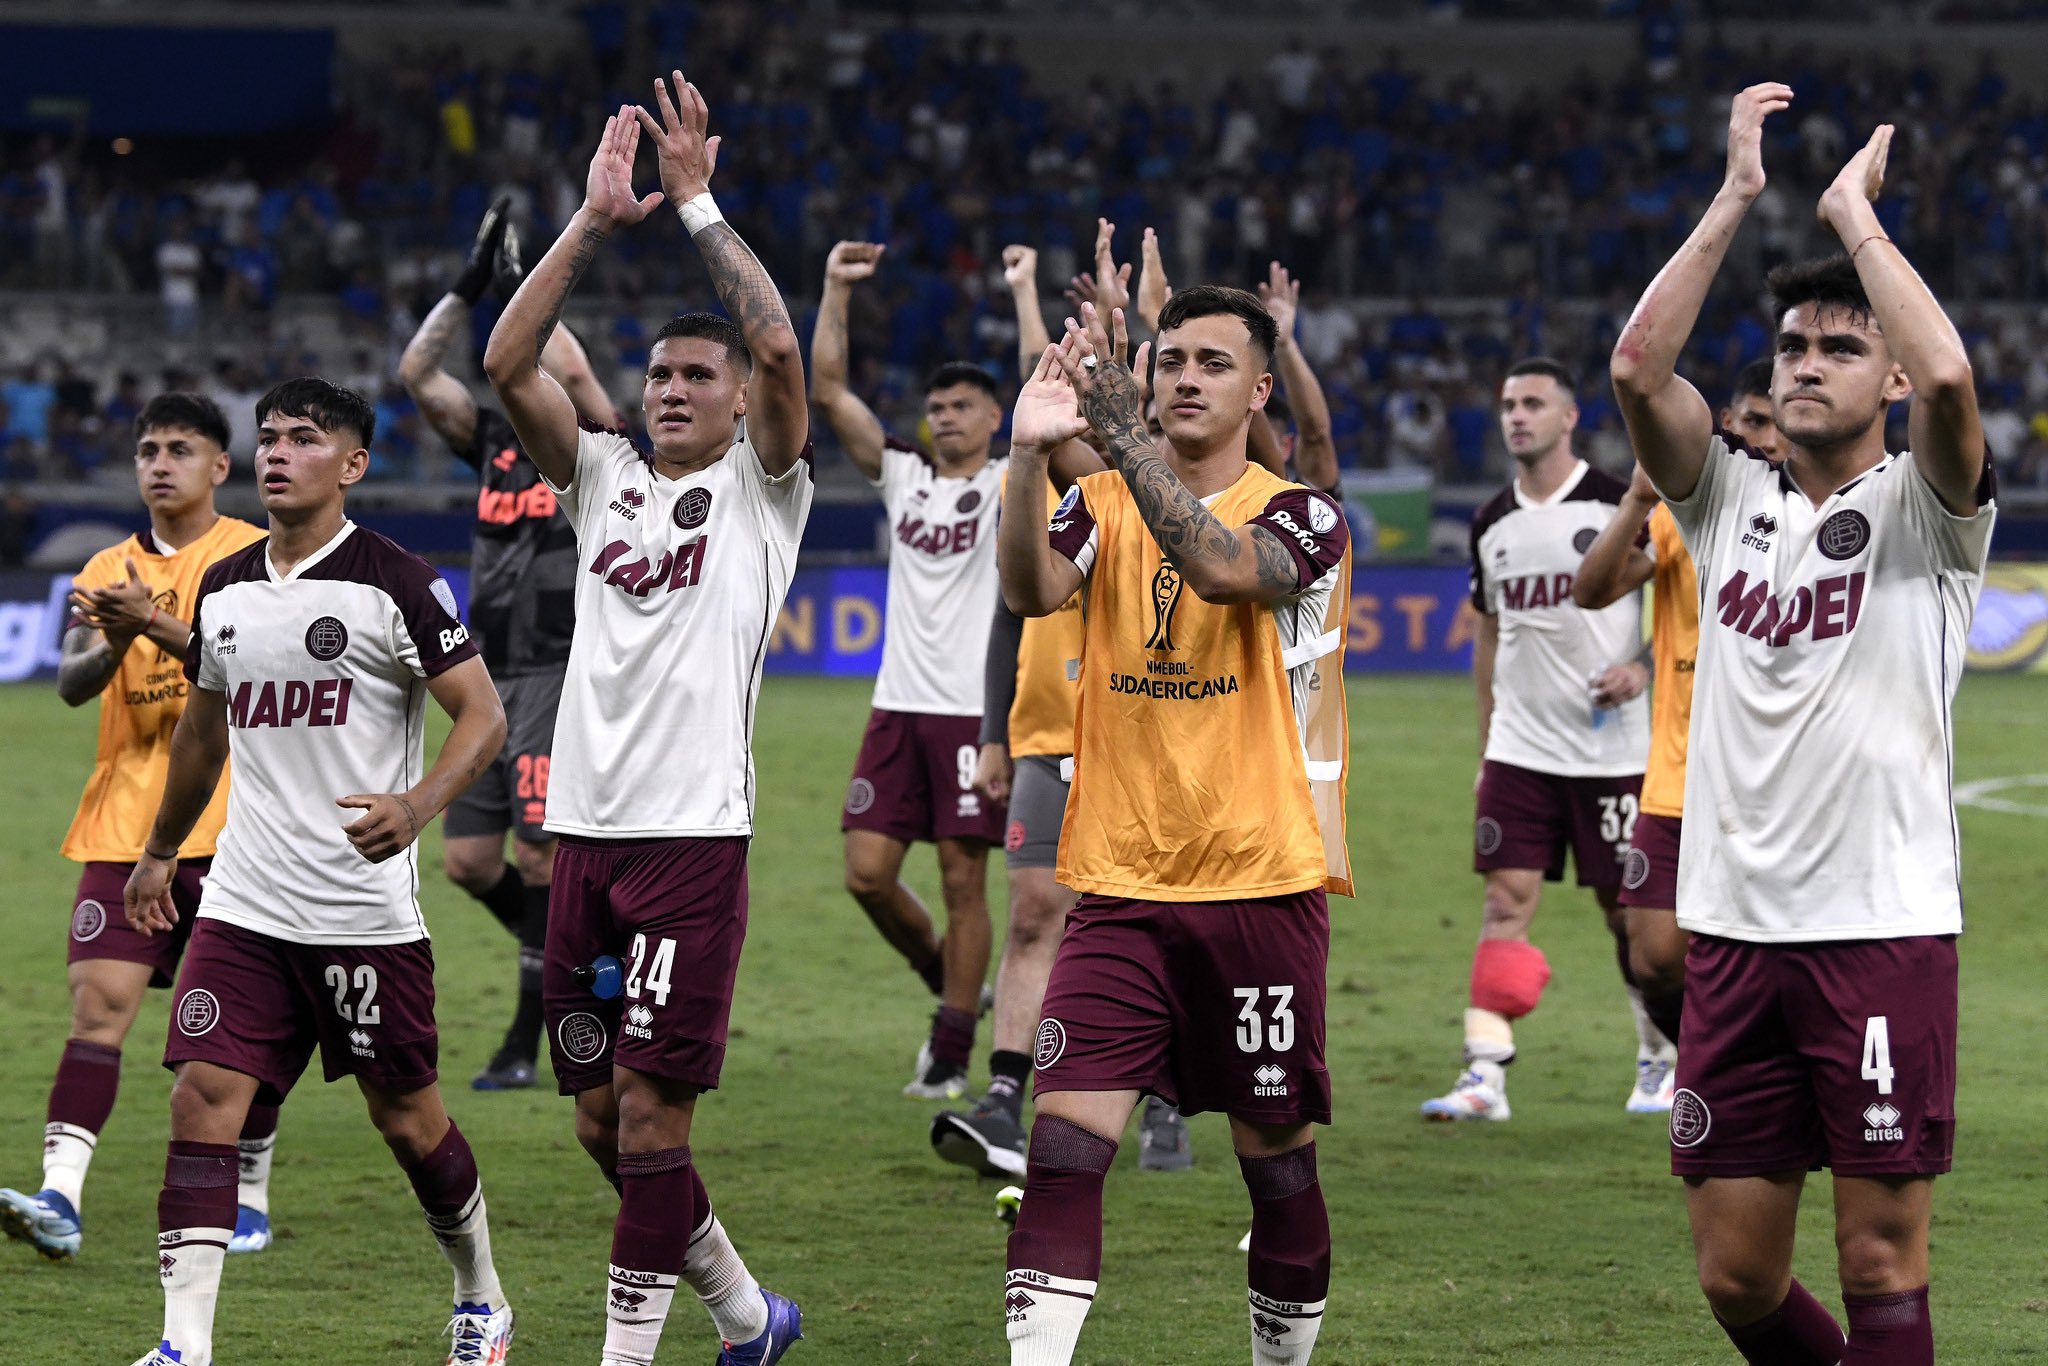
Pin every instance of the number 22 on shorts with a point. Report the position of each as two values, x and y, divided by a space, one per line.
1252 1031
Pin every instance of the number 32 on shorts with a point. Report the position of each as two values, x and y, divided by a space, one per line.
1254 1029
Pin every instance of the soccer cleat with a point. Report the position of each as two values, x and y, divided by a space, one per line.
162 1355
988 1000
45 1221
785 1327
479 1335
935 1080
1656 1083
1163 1139
985 1139
506 1073
252 1230
1474 1097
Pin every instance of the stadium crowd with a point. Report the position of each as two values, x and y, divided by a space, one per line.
1366 179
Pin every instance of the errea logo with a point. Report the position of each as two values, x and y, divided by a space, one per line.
1883 1119
1270 1079
1762 527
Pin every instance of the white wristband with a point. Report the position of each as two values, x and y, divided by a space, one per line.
700 213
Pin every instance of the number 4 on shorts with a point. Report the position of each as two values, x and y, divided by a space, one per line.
1877 1053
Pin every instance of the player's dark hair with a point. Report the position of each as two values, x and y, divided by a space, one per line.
326 405
962 372
1754 378
1827 281
711 327
1277 411
1545 365
191 412
1206 301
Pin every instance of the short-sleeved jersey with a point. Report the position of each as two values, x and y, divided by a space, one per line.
679 585
1675 645
1048 665
324 671
1525 554
942 574
1209 739
1819 786
141 704
522 566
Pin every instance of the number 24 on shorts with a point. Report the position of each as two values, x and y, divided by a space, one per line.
1276 1034
658 967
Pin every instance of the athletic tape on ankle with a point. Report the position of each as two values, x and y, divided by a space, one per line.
1280 1175
1066 1146
654 1163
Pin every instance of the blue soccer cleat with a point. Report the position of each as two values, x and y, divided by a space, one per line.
46 1221
252 1230
785 1326
162 1355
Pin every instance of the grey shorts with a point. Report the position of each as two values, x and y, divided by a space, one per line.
512 794
1038 807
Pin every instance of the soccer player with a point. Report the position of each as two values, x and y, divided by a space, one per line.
914 777
1563 731
1205 823
1027 744
312 655
686 556
1615 567
522 614
125 645
1820 868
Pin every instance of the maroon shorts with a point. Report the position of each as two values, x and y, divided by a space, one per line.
99 924
914 780
1800 1056
1529 819
1214 1005
259 1006
1649 872
673 912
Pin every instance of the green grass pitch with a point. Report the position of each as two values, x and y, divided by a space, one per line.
1559 1237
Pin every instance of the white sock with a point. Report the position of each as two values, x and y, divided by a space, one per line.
1043 1316
1283 1334
1650 1040
465 1241
1492 1073
188 1262
635 1308
253 1189
729 1291
67 1152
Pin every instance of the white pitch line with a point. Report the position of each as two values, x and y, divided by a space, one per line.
1982 794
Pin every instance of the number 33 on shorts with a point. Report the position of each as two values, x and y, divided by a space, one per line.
1272 1029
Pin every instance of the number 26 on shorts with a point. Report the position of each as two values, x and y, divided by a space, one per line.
1253 1030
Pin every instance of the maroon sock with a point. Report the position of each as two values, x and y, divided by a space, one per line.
700 1206
953 1036
1288 1268
83 1094
445 1180
933 971
1889 1330
261 1123
1059 1228
1799 1332
656 1211
1666 1011
199 1186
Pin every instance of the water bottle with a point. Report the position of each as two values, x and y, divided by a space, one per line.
604 976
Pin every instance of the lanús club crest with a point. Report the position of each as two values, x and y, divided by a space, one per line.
1166 586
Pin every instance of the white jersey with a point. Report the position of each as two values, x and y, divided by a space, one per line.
942 577
1525 554
678 587
1819 799
325 673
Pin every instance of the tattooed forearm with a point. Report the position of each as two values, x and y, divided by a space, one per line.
1187 532
88 663
1277 571
579 261
429 346
750 297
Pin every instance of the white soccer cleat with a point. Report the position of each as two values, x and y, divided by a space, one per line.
162 1355
935 1080
1476 1096
479 1335
1656 1084
1244 1244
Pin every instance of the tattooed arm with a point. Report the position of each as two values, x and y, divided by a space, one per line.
778 419
1218 563
852 421
540 411
444 400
